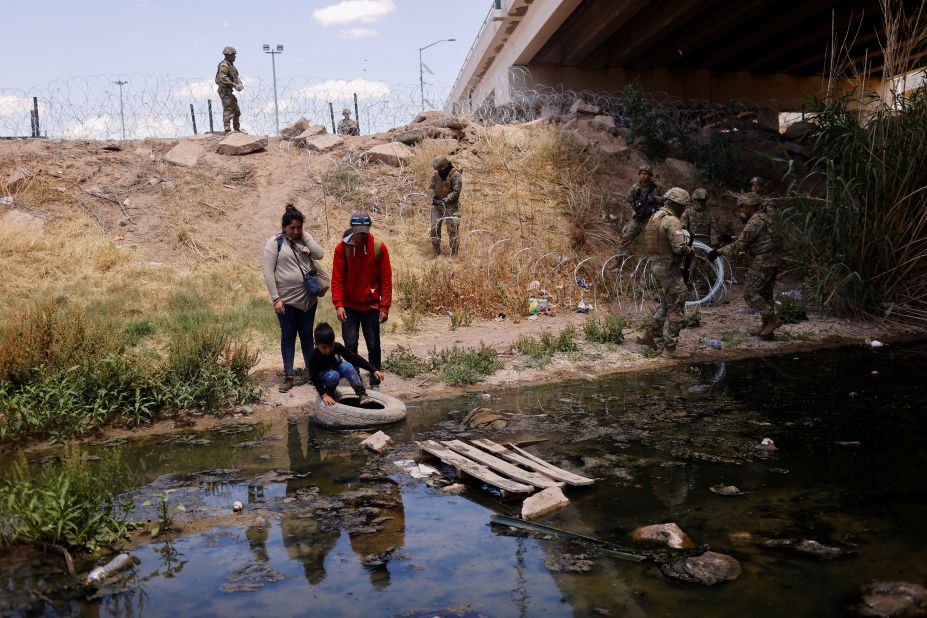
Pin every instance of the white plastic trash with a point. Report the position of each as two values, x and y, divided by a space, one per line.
119 563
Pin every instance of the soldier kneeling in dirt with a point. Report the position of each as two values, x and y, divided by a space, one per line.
761 241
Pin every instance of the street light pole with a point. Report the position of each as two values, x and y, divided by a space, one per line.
273 64
421 66
122 114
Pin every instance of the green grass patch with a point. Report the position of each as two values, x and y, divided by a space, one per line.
459 366
461 319
67 372
540 350
404 363
610 329
791 310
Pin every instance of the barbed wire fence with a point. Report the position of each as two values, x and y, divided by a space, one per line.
166 107
159 106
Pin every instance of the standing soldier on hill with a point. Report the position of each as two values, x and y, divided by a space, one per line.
227 79
347 126
644 198
758 188
699 221
761 241
667 245
445 195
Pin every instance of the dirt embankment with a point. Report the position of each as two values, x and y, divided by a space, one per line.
122 226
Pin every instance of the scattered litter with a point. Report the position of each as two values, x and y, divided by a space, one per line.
6 200
237 506
715 343
582 283
767 444
582 307
747 311
533 317
793 294
500 317
875 343
726 490
119 563
537 305
415 469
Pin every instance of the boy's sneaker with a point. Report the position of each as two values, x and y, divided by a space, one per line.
365 399
286 384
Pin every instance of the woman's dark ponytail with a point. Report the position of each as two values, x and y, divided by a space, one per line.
292 214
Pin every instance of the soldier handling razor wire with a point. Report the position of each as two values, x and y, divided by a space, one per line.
227 80
644 198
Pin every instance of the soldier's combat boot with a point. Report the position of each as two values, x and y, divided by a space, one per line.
670 351
756 332
647 338
770 327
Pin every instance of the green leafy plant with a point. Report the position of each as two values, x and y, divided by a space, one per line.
610 329
77 504
791 309
166 511
459 366
461 319
404 363
540 350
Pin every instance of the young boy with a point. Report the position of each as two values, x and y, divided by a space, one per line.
330 362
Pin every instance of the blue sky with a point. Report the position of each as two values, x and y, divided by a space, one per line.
324 39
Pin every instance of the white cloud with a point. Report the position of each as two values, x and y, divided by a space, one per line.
196 91
358 33
12 105
349 11
341 88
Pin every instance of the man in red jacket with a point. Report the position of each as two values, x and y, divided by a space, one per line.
362 288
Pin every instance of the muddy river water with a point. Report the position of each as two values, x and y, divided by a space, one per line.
331 530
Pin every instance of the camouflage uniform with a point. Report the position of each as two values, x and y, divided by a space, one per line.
634 226
448 190
227 79
761 241
701 222
666 244
347 126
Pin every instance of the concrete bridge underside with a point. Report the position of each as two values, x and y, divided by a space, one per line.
695 49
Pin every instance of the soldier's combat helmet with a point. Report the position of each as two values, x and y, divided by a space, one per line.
700 195
440 163
677 196
645 167
750 199
345 112
228 50
758 180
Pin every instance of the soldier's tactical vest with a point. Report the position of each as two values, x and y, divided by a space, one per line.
768 242
656 243
444 186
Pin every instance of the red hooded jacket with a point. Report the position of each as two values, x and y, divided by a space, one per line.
359 281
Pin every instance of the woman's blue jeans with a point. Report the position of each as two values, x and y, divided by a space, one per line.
295 322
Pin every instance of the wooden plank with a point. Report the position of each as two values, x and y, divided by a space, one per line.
474 469
535 463
499 465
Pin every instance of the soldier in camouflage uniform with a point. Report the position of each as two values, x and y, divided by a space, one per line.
638 192
347 126
758 187
699 221
445 195
761 241
666 243
227 79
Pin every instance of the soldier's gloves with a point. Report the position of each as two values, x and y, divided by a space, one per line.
726 238
437 201
713 255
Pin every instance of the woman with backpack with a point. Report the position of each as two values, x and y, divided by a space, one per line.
290 269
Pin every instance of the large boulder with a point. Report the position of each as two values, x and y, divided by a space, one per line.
238 144
323 142
682 169
709 568
294 129
441 120
185 154
603 123
669 535
447 146
23 221
543 503
892 599
394 153
413 135
797 131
